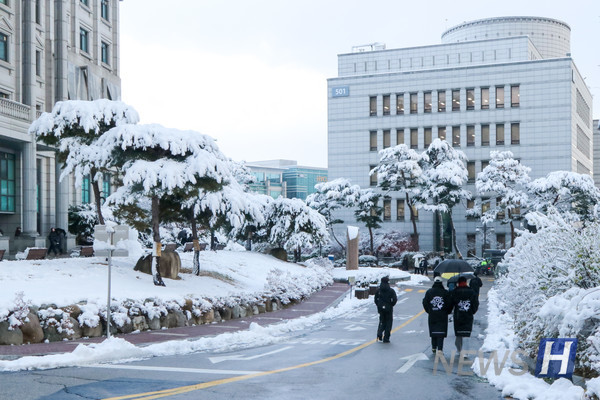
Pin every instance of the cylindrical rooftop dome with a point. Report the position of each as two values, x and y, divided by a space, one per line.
551 37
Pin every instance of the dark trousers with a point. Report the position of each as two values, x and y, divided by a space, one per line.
55 248
437 342
386 318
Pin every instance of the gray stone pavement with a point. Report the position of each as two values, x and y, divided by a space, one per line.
318 302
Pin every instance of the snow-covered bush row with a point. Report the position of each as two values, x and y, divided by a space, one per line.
551 289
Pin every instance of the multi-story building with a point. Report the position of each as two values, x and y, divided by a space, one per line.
49 51
500 84
285 178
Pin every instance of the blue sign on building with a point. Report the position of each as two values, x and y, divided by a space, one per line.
340 91
556 358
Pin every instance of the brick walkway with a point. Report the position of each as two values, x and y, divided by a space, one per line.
318 302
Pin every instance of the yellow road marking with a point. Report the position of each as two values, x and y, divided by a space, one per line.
190 388
408 290
421 291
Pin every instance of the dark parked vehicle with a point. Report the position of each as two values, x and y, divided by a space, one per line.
494 256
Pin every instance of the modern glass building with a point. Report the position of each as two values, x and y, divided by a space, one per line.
285 178
506 83
301 181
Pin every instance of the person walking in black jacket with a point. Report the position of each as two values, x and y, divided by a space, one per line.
465 304
476 283
437 303
385 300
54 239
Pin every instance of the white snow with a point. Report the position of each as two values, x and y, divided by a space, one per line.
352 232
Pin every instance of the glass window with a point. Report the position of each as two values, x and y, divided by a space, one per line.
3 47
442 132
471 245
83 40
514 96
7 182
387 139
373 141
427 137
499 96
372 177
386 104
500 241
84 2
470 135
415 211
105 185
471 171
456 136
38 63
500 214
470 99
485 205
373 106
499 134
456 100
485 135
484 164
85 190
105 53
104 9
515 134
387 209
400 103
400 210
441 100
413 103
38 11
470 204
427 102
414 138
485 98
399 136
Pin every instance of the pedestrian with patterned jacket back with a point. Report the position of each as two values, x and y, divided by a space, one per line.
437 303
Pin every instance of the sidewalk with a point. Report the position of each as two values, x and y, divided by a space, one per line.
318 302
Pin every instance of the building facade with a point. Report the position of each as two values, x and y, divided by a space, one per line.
285 178
49 51
492 85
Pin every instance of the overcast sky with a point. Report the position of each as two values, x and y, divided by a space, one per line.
252 73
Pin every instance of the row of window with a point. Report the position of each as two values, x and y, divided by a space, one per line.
428 133
104 8
84 40
7 182
440 99
86 188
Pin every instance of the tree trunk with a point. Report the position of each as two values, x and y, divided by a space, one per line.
458 253
213 241
157 245
441 224
413 219
337 241
196 261
97 198
512 234
371 238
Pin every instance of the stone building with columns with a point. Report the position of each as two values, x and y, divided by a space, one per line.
50 50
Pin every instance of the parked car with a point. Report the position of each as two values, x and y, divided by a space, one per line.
495 256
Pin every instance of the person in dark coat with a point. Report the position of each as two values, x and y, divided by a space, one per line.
437 304
476 283
465 304
424 264
54 239
385 300
62 240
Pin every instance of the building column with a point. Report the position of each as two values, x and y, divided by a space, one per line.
61 198
29 190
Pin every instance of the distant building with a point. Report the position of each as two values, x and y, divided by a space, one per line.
285 178
597 152
505 83
49 51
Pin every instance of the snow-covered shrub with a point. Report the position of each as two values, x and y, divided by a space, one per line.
287 287
58 318
367 260
17 314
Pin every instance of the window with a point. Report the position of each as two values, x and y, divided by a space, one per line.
84 2
104 9
85 190
470 204
83 40
373 141
373 176
386 139
427 102
456 100
470 135
7 182
484 164
515 96
373 106
387 209
5 2
427 137
471 245
515 134
105 56
386 104
470 99
413 103
442 132
485 135
456 136
499 134
105 185
441 100
414 138
485 98
499 96
38 63
399 136
471 171
400 104
485 205
500 214
500 241
415 211
400 210
38 11
3 47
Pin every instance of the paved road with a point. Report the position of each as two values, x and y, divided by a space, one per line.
338 359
